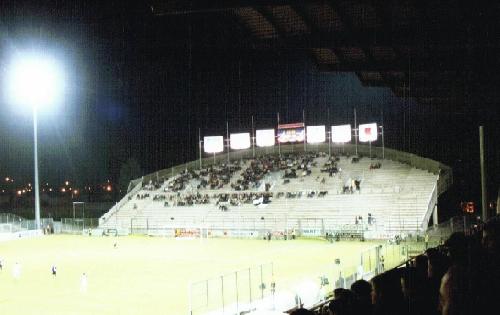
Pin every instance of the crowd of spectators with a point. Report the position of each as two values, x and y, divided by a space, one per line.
460 277
153 185
351 186
331 167
219 176
186 188
291 166
227 199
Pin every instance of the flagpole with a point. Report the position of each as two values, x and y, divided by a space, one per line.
279 144
253 139
305 131
329 132
355 132
329 142
199 145
383 142
382 134
227 139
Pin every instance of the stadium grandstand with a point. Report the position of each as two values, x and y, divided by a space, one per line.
310 193
300 219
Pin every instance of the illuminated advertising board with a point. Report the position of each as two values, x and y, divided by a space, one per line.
265 138
291 133
213 144
240 141
315 134
341 133
368 132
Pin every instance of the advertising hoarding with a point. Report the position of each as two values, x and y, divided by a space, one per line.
291 133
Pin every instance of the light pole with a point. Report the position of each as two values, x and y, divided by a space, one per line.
35 81
37 186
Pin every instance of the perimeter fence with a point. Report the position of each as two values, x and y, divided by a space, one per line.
255 288
233 292
12 223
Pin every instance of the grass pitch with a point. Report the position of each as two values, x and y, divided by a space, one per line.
145 275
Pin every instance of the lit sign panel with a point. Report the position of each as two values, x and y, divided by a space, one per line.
240 141
368 132
265 138
341 134
290 133
213 144
316 134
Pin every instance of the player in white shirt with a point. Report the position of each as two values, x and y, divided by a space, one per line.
83 283
16 271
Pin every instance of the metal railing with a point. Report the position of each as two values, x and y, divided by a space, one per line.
106 216
13 223
234 292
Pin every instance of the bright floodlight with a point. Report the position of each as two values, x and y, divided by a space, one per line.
35 81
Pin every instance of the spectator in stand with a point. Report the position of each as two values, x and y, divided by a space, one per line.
436 268
344 302
302 311
341 293
491 238
421 266
489 269
362 290
459 291
387 296
416 294
340 307
457 247
453 293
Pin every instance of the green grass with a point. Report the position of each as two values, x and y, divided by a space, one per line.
146 275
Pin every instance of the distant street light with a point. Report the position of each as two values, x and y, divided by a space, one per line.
35 81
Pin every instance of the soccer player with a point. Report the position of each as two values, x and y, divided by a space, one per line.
16 271
54 270
83 283
1 264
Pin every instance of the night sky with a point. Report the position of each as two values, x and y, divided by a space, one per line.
142 85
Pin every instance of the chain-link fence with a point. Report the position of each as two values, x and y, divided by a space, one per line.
12 223
232 293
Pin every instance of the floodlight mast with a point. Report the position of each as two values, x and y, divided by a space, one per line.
35 82
37 188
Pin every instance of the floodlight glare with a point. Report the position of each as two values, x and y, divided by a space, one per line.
35 81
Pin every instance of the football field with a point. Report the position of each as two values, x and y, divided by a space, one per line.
148 275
